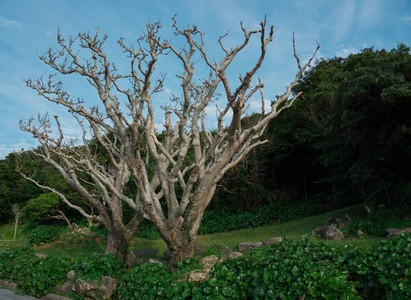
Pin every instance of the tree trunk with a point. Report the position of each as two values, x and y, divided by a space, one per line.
117 243
181 247
15 226
120 236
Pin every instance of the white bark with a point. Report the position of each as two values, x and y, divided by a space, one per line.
135 152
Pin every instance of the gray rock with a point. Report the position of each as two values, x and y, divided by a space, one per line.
41 255
222 249
257 245
343 223
145 252
390 230
66 288
399 232
231 255
242 247
71 275
9 285
130 258
167 255
54 297
198 276
85 230
199 249
272 240
157 261
110 282
332 233
209 261
92 290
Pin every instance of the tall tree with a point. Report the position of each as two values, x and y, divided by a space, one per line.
175 174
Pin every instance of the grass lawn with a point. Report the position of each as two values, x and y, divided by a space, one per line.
79 246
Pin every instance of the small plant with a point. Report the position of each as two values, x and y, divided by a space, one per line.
43 234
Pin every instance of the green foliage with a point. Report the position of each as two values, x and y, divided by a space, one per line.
383 272
289 270
214 221
34 276
43 234
41 207
97 265
148 281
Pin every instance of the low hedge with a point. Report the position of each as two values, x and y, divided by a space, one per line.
215 221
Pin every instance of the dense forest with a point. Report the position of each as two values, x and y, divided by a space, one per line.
345 141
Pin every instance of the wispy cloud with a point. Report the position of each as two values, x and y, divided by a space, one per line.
10 23
346 51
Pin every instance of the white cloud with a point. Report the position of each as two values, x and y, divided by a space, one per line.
346 51
9 23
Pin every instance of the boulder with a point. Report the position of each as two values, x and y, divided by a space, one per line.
399 232
231 255
110 282
272 240
332 233
198 276
130 258
145 252
391 230
54 297
41 255
343 223
71 275
85 230
242 247
9 285
66 288
157 261
257 245
209 261
222 249
167 255
92 290
199 249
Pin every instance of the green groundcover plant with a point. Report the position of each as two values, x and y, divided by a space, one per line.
33 275
292 269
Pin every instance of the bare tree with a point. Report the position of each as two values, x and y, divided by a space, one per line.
175 174
16 212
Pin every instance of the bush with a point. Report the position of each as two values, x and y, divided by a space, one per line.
43 234
34 276
93 267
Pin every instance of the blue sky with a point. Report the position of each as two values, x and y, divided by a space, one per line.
29 27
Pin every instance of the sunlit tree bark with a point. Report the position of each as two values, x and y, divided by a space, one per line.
175 174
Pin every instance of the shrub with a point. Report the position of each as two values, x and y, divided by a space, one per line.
97 265
43 234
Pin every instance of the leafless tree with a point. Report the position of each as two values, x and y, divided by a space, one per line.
175 174
16 212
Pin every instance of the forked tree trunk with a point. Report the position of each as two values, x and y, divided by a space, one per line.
120 236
